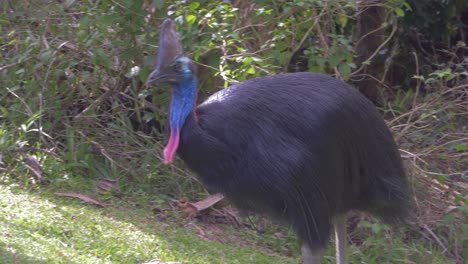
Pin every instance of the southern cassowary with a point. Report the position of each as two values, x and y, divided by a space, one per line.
301 147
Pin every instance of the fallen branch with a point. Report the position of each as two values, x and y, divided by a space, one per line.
82 197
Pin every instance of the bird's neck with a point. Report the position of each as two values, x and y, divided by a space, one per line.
182 104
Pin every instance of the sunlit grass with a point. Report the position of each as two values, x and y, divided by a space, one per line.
40 228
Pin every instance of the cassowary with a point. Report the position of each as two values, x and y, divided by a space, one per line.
304 148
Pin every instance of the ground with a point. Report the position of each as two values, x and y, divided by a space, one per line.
37 226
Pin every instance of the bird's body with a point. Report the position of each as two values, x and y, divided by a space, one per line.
303 147
297 146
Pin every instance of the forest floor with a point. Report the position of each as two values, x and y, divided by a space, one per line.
38 226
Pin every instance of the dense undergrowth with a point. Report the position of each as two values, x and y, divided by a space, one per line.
73 108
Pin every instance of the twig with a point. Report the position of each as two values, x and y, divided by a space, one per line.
435 173
394 29
413 155
95 103
444 144
306 35
370 33
4 67
27 149
436 238
28 109
416 93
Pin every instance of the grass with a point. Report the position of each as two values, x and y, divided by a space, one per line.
38 227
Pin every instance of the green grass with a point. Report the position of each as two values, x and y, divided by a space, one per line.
38 227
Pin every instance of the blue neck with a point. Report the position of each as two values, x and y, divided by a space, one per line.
183 101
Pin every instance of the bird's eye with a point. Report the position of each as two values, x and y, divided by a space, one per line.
177 66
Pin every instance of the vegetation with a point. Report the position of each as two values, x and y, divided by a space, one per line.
76 118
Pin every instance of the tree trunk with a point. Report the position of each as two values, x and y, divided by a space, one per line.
370 35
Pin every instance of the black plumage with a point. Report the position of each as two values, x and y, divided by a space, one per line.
303 147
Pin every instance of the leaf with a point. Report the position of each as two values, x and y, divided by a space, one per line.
82 197
193 5
345 71
192 209
46 56
405 4
342 19
159 3
101 58
191 19
461 147
465 230
130 54
107 184
399 12
250 70
450 209
334 59
108 20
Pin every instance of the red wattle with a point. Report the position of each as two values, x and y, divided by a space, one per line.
171 147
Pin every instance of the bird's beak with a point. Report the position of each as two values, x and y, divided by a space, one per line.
154 77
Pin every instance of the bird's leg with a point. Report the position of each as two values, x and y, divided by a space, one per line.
340 239
311 256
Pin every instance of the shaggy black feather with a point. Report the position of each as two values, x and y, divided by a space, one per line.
303 147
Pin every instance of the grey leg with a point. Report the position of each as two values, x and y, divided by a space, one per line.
311 256
340 239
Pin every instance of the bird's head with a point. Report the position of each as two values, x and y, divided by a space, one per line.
173 68
180 70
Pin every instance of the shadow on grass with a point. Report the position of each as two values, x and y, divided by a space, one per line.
9 255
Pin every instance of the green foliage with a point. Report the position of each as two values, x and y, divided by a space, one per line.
73 72
269 37
437 20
